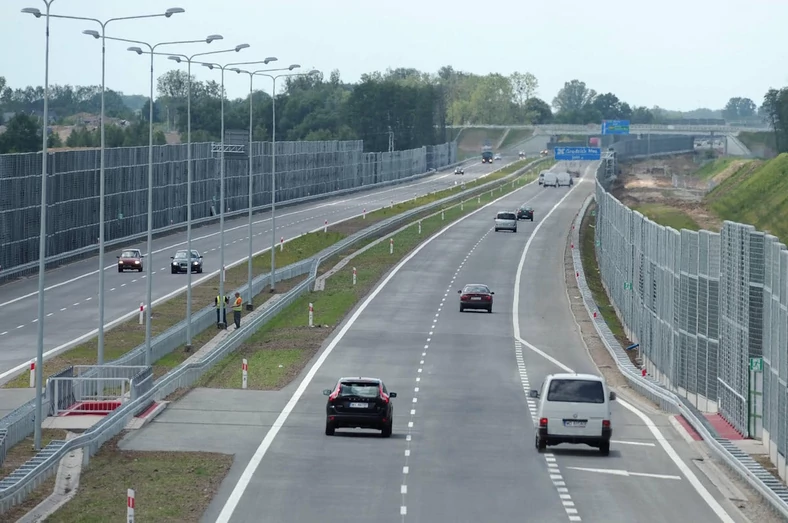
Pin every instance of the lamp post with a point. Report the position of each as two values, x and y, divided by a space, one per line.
223 68
188 59
151 47
250 303
103 24
42 242
273 166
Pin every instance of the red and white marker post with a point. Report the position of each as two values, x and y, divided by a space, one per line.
325 226
142 313
244 373
311 315
354 275
130 506
391 246
364 214
281 244
32 374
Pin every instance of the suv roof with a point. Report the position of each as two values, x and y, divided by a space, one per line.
576 376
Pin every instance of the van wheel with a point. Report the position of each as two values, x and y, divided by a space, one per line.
604 448
541 445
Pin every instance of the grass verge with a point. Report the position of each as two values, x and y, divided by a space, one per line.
130 334
168 486
516 136
667 216
594 280
279 351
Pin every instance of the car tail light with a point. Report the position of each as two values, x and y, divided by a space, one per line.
464 297
543 423
606 423
383 395
488 298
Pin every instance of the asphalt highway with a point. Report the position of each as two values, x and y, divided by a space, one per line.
463 442
71 304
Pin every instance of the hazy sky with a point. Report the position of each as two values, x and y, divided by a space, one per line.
671 53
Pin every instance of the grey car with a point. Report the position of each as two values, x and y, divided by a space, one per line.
506 221
180 262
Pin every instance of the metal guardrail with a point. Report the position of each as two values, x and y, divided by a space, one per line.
14 492
55 260
633 128
752 472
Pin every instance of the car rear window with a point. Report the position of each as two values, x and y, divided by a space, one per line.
476 288
365 390
576 391
506 216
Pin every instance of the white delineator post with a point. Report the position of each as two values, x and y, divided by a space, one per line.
142 313
419 226
442 215
130 506
354 275
325 226
281 244
244 373
391 246
364 214
392 204
311 315
479 198
462 206
32 374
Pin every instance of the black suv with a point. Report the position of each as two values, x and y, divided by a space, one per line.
359 403
180 262
525 213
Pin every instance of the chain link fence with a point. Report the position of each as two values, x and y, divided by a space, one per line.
303 169
708 309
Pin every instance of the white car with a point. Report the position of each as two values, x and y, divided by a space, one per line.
497 156
550 180
506 221
574 408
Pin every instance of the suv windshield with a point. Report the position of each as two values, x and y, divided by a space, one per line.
365 390
576 391
506 216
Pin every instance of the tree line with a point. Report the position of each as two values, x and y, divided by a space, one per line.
775 111
409 105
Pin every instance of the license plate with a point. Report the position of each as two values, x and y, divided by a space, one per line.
359 405
476 299
571 423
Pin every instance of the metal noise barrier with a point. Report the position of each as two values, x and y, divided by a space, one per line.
187 374
699 304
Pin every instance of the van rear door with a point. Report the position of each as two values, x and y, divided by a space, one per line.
575 407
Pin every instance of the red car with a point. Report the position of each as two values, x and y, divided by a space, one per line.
476 296
130 259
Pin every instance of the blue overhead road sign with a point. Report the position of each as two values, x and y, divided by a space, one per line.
615 127
577 153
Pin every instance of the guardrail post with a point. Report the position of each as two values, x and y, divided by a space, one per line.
244 373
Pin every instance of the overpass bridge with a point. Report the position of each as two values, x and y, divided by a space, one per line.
595 129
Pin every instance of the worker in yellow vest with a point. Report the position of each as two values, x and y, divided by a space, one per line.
237 310
221 310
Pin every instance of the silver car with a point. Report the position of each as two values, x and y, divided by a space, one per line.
506 221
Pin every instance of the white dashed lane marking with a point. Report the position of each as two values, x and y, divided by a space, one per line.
403 509
555 473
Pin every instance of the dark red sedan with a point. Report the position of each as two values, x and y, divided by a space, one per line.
476 296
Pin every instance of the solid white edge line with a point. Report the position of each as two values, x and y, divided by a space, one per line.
669 450
246 225
110 325
243 482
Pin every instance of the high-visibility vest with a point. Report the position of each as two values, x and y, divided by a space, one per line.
238 302
219 302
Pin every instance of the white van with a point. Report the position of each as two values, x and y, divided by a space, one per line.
574 408
550 180
541 177
564 180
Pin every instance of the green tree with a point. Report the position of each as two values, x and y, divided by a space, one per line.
524 86
739 108
573 97
537 111
22 135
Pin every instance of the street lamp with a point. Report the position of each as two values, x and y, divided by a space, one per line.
103 24
42 242
188 59
273 163
223 68
149 271
250 303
